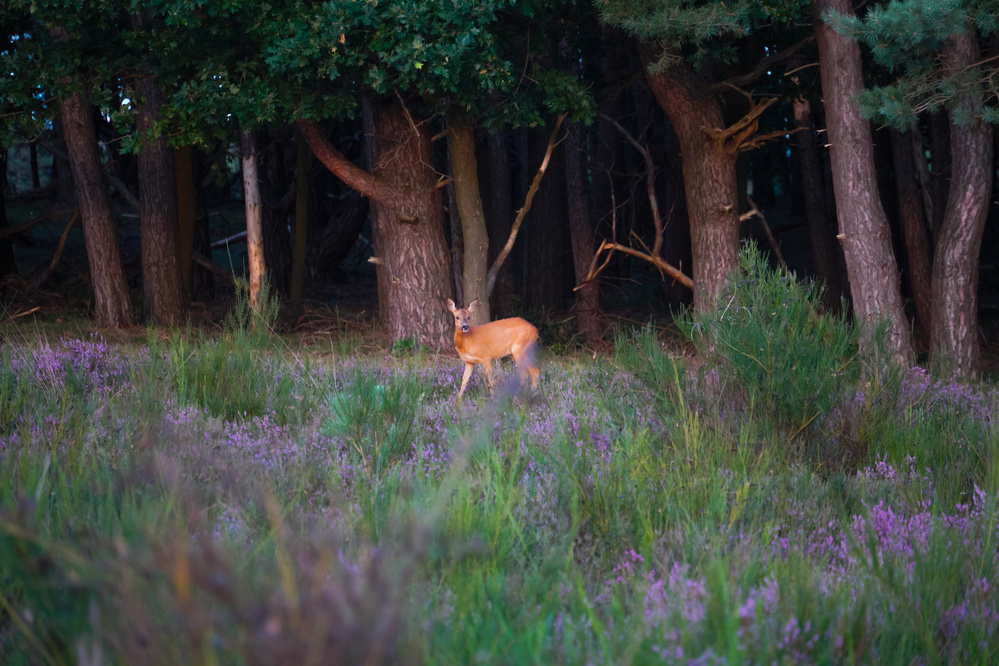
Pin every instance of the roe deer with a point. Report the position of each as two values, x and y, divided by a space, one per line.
479 345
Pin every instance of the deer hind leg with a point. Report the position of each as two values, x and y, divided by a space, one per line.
488 367
464 379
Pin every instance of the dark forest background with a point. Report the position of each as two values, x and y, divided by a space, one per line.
372 157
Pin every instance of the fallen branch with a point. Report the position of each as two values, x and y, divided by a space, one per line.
501 257
204 262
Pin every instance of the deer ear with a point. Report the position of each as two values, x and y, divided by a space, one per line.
471 306
450 305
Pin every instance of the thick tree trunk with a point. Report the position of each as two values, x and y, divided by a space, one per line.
954 339
475 239
408 231
709 176
254 217
911 215
587 306
498 204
163 298
821 230
106 272
863 227
406 220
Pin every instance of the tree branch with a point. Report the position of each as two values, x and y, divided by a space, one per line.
364 182
762 67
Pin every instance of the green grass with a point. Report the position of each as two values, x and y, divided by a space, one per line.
228 499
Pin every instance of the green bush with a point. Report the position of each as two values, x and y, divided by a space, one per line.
768 333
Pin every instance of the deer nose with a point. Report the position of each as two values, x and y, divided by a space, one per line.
464 328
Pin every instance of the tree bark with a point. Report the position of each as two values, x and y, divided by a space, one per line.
954 344
863 226
163 298
709 175
104 256
821 230
254 217
475 239
407 228
911 215
587 306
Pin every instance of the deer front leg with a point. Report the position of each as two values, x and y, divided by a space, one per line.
464 380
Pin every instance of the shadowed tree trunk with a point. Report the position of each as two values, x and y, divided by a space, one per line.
709 174
475 239
546 275
587 306
910 212
498 205
406 220
163 299
863 227
820 227
8 265
954 344
302 160
187 216
103 254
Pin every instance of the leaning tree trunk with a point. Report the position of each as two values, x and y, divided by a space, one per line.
581 235
254 217
709 175
914 227
162 281
863 227
954 344
475 240
406 220
103 255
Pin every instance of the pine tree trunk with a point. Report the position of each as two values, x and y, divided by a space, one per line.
863 227
709 176
475 239
163 299
954 339
821 232
587 306
254 217
110 287
917 242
